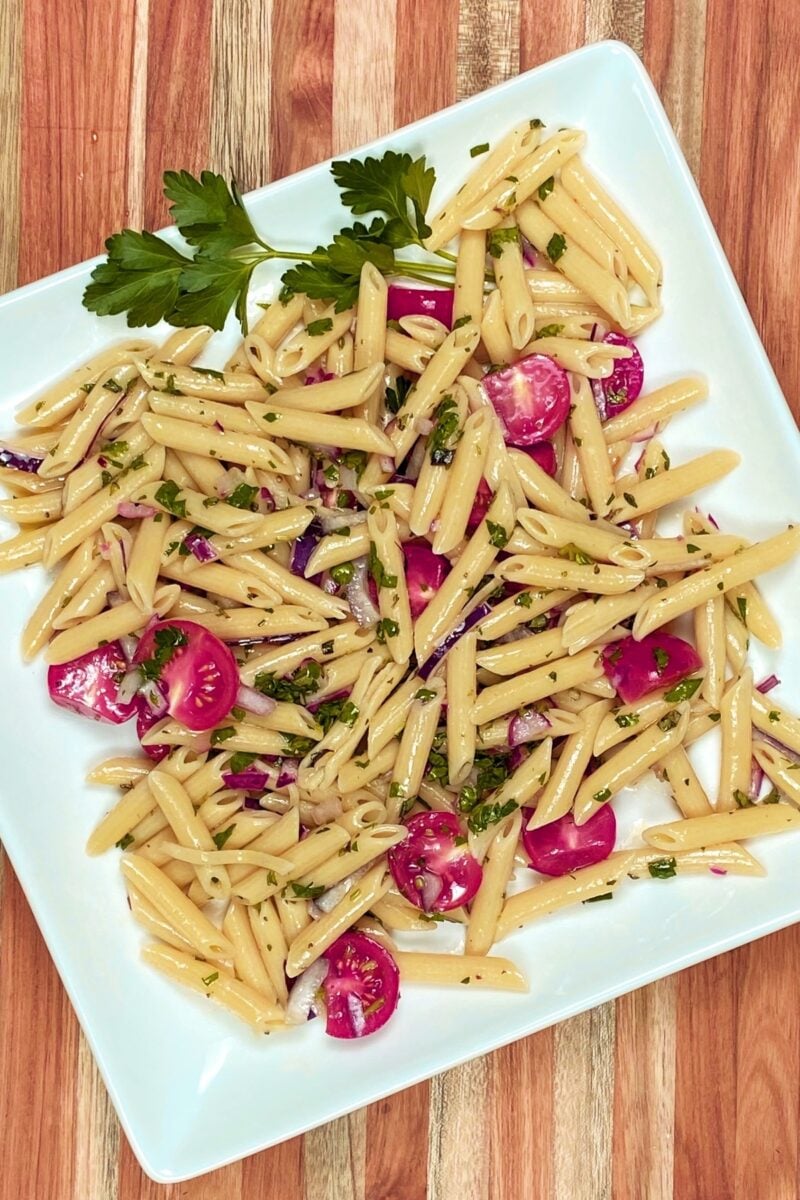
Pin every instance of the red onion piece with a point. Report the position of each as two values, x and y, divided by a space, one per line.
449 640
304 546
527 727
131 511
202 549
251 780
420 302
254 701
358 597
756 779
19 461
768 684
302 998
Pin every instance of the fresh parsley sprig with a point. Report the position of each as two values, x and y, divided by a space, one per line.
151 280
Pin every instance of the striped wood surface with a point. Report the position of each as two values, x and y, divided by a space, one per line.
688 1088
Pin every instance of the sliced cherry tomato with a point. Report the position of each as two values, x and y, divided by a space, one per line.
145 720
362 986
433 867
544 454
196 669
624 384
562 846
531 398
425 574
659 660
89 685
480 505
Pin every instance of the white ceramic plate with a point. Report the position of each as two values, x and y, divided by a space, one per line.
193 1089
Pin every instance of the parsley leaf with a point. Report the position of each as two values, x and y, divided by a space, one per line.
387 185
141 277
167 497
489 814
682 691
208 212
556 247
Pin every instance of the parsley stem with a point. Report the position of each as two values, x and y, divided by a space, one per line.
446 254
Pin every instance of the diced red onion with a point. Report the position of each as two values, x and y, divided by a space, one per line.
228 482
756 779
304 546
430 890
718 871
202 549
424 426
529 255
527 727
358 597
645 435
768 684
599 397
266 501
771 741
449 640
128 644
356 1010
517 757
254 701
303 996
249 780
331 521
131 511
19 461
333 895
387 464
128 686
318 376
155 698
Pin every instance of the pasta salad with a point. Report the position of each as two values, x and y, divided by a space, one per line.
384 594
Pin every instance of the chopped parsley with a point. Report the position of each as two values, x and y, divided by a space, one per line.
167 496
479 149
212 978
576 555
683 690
661 658
498 536
465 320
603 795
297 746
343 573
386 628
395 397
295 688
549 331
627 720
168 641
425 695
741 608
241 761
523 600
222 734
663 868
323 325
445 434
349 713
307 891
126 841
489 814
243 496
556 247
546 188
377 570
500 238
222 837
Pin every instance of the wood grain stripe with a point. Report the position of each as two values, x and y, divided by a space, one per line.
241 98
674 54
522 1118
394 1125
754 46
178 101
768 1066
584 1105
75 130
427 51
488 44
334 1159
276 1174
644 1092
37 1113
301 84
137 116
97 1146
363 71
458 1162
621 19
542 40
705 1082
10 94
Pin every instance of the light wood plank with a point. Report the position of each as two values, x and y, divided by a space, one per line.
241 99
458 1155
584 1105
644 1091
10 116
363 71
334 1158
488 44
97 1148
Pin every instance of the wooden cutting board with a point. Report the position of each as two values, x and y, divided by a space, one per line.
689 1088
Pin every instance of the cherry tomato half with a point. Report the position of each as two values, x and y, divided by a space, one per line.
433 867
89 685
197 671
362 986
562 846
